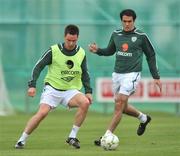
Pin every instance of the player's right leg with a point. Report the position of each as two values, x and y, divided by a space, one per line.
32 124
123 86
120 104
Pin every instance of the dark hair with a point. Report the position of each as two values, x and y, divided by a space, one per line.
128 12
71 29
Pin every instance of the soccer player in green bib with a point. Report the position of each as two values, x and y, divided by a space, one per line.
67 73
128 44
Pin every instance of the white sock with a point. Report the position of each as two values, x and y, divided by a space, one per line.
23 137
74 131
108 132
142 117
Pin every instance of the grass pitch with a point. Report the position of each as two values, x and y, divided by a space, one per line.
162 136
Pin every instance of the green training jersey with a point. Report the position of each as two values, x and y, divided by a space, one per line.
129 48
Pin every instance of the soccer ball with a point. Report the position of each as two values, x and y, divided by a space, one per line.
109 142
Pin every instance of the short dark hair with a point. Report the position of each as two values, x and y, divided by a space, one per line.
71 29
128 12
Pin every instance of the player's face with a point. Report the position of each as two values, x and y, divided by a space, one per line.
128 23
70 41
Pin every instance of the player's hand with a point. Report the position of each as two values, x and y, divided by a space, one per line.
158 83
31 91
89 96
93 47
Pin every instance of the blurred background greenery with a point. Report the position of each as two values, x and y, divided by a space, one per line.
29 27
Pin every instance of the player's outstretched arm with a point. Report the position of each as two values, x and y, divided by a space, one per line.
93 47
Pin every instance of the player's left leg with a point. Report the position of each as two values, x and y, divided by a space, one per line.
143 118
80 101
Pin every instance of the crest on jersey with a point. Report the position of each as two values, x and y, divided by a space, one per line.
133 39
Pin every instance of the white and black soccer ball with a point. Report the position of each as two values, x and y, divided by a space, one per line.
109 142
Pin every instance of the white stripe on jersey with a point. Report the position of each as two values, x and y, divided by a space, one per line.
39 61
148 39
145 35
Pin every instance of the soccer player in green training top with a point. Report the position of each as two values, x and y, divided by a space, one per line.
67 72
128 44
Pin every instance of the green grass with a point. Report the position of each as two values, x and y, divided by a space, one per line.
162 137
